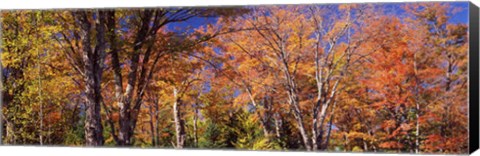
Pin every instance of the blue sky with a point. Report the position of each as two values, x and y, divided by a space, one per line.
460 17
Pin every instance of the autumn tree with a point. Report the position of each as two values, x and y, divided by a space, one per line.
284 46
33 112
447 43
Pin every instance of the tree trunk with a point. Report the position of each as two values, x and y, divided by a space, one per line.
277 126
327 141
157 128
195 117
301 128
125 101
372 146
40 113
316 135
263 123
93 71
345 142
124 130
330 125
10 136
152 127
293 100
417 106
123 138
179 123
365 145
417 131
446 102
195 133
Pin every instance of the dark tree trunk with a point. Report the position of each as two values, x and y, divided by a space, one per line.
125 101
327 141
93 66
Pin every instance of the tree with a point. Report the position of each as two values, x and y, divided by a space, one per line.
447 43
282 47
34 113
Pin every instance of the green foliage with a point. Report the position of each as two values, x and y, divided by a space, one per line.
357 149
265 143
76 135
246 130
249 134
213 137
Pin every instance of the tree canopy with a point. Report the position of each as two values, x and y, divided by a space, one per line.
346 77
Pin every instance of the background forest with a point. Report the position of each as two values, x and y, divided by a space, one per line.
350 77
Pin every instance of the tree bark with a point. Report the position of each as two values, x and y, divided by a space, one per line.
301 127
93 66
152 127
278 125
195 133
128 114
117 76
293 101
417 105
179 123
157 128
263 121
124 100
330 124
10 136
